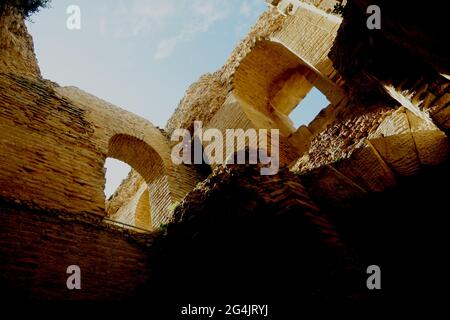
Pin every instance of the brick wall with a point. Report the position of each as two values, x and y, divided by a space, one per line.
247 235
241 120
205 97
310 34
55 141
123 206
275 92
47 154
36 248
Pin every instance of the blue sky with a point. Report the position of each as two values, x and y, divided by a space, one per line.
142 55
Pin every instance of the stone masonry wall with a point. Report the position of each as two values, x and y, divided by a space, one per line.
207 95
303 39
37 247
16 45
261 234
55 141
298 33
47 156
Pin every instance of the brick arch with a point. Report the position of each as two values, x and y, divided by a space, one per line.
138 154
129 138
271 80
143 158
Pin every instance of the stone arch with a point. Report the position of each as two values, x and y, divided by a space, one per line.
270 82
136 141
157 197
138 154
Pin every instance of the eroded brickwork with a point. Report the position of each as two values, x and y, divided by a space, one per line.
37 248
378 129
16 45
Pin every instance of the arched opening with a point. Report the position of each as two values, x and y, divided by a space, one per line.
138 154
124 191
308 108
295 98
278 89
116 172
143 198
272 81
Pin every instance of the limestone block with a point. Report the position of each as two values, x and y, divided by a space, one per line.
441 114
367 169
440 104
292 92
394 142
309 33
328 184
432 144
428 101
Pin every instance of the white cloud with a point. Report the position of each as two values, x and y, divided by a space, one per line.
133 18
146 15
251 8
246 9
210 10
102 26
168 22
204 14
165 48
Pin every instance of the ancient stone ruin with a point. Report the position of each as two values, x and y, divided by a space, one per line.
358 186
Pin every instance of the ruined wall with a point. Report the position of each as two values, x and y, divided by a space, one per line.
269 97
254 75
37 247
207 95
122 205
250 84
51 189
280 60
405 59
113 121
369 153
55 142
343 137
47 158
342 164
16 45
299 33
431 96
262 234
395 120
